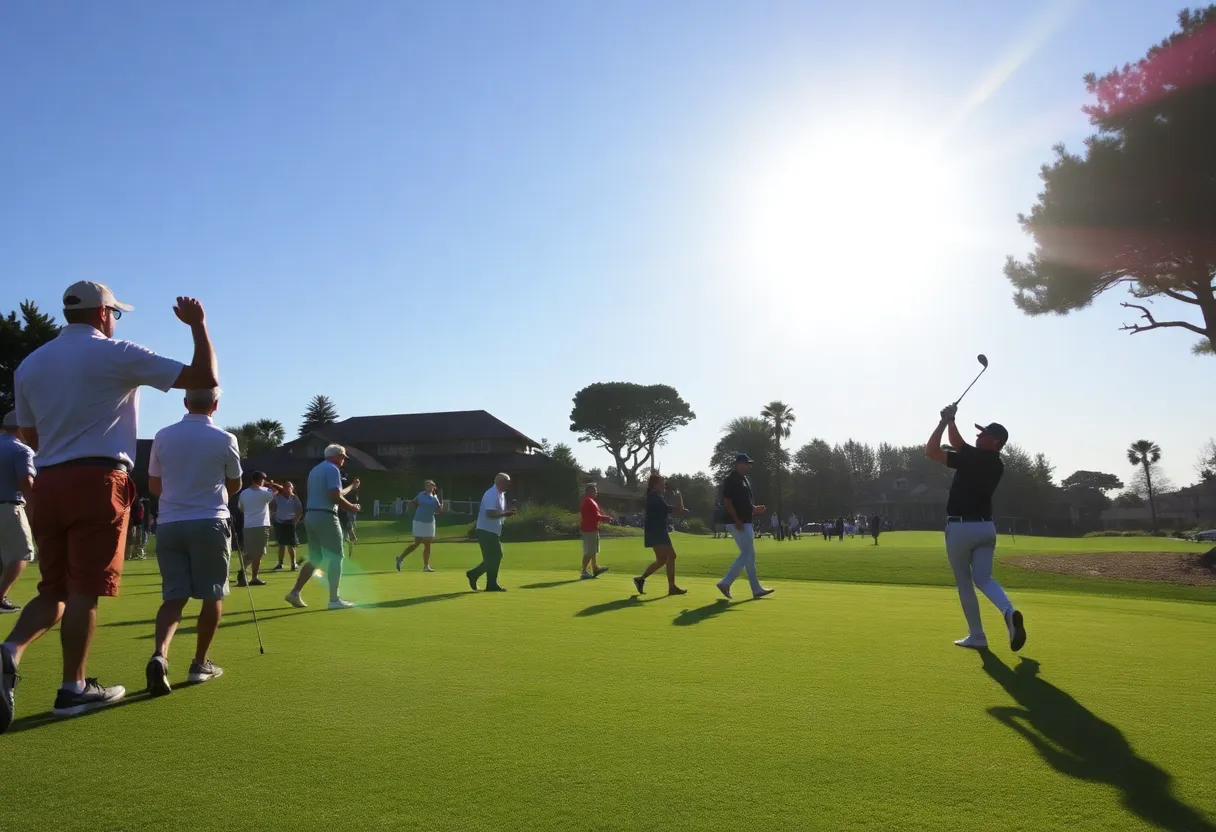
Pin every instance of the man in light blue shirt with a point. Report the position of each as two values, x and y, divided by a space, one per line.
16 480
326 497
489 534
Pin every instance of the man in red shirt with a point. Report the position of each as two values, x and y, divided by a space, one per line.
589 524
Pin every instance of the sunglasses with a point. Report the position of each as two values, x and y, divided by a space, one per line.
117 313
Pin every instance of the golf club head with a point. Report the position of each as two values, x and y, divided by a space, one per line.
983 359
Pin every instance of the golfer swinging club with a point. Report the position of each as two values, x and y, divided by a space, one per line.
970 532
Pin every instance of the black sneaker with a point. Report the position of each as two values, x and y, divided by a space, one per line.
204 672
8 606
600 571
472 581
8 684
496 588
640 585
1017 630
157 674
240 578
278 568
68 703
257 582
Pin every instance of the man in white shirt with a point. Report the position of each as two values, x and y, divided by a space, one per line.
194 468
255 508
326 497
774 523
489 534
76 400
795 527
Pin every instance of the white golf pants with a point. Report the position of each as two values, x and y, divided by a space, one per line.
971 548
745 539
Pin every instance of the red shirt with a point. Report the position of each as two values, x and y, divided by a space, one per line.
590 512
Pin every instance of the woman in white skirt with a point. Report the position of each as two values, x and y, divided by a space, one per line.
427 504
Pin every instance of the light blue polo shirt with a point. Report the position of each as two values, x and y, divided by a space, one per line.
16 461
428 504
321 480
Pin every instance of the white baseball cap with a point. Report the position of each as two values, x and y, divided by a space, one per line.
88 295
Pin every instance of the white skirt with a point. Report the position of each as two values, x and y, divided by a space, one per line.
422 529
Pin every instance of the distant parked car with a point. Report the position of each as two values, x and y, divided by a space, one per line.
1206 537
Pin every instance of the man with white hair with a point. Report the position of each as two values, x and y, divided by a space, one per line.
489 534
77 397
326 497
16 485
194 468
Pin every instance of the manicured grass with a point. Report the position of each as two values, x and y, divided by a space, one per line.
567 705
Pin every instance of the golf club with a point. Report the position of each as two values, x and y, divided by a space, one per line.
261 647
983 359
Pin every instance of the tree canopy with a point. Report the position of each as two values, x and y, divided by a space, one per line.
629 421
1095 480
321 411
1137 209
255 437
20 336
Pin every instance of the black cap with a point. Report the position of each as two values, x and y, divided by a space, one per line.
995 430
743 458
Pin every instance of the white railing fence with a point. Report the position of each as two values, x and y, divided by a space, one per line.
397 507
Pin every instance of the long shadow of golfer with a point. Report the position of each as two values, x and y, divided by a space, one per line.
397 603
27 723
618 604
551 584
1077 742
696 616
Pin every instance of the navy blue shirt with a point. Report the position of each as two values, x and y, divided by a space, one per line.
657 512
976 476
738 489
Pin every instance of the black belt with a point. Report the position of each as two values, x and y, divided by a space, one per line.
323 511
90 462
968 519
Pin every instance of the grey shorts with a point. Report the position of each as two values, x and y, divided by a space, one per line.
324 536
193 559
16 540
591 544
256 539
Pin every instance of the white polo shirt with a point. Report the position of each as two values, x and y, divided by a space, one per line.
80 391
255 505
193 458
492 500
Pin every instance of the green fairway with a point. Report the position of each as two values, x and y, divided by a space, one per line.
836 704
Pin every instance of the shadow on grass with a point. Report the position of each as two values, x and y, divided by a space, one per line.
1075 741
696 616
619 604
551 584
27 723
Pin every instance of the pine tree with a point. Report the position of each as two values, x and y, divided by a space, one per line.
19 338
321 411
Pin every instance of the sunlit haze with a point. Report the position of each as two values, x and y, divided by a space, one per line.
492 205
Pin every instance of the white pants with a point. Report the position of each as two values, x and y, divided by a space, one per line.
745 539
971 548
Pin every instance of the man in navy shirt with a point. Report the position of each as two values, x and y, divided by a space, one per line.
970 530
739 506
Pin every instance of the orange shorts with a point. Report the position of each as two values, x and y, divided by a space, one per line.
79 518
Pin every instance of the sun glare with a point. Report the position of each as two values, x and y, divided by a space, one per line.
836 210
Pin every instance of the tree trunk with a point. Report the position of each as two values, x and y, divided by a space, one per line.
1152 504
777 480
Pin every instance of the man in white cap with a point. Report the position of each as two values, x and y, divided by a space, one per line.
326 497
77 397
16 485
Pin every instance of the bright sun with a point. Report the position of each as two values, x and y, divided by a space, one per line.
834 210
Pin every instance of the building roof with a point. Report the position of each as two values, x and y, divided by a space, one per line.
424 427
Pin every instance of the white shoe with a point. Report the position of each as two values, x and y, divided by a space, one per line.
973 642
340 605
428 568
295 600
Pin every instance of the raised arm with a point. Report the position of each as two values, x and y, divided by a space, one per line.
201 373
933 448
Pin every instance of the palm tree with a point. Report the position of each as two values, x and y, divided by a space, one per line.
255 437
778 416
1146 453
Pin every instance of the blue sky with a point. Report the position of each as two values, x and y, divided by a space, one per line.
441 206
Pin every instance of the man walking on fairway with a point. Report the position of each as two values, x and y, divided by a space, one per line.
16 486
77 398
590 518
194 467
875 528
970 531
255 506
288 515
489 534
737 500
326 497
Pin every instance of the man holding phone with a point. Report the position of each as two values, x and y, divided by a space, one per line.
737 500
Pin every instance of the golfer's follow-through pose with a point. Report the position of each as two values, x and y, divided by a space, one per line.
970 531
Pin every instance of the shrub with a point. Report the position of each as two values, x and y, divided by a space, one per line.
697 526
547 522
1113 533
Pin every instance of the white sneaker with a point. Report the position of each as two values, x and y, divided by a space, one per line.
340 605
295 600
973 642
428 568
